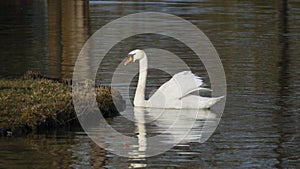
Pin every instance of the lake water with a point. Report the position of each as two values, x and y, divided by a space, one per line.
258 43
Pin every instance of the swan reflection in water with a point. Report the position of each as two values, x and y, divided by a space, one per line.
153 131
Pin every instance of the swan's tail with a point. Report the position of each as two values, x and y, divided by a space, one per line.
213 101
199 102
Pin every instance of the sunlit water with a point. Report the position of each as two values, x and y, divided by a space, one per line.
258 43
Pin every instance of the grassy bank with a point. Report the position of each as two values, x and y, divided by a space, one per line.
29 103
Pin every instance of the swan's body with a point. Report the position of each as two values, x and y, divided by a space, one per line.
177 93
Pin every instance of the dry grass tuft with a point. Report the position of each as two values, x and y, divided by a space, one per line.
34 101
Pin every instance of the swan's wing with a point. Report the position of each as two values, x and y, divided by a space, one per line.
196 91
180 85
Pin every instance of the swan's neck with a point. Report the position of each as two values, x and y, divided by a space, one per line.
139 98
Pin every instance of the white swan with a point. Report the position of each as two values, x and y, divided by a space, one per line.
177 93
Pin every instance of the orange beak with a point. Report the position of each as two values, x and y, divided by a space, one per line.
128 60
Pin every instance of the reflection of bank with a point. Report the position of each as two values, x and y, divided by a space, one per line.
67 32
154 131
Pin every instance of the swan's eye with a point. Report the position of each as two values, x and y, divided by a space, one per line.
131 55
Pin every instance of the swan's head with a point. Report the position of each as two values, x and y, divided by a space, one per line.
134 55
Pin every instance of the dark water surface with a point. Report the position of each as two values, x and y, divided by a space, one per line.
258 43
